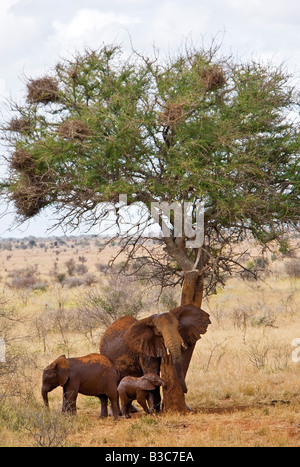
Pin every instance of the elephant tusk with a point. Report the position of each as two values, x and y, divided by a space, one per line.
168 351
183 345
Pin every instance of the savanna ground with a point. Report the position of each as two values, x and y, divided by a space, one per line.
243 386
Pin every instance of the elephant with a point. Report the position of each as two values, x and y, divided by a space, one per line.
132 387
136 347
91 375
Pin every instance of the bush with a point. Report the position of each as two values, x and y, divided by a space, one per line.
46 429
25 278
103 305
77 281
71 266
292 267
62 322
255 268
42 286
73 282
81 269
170 298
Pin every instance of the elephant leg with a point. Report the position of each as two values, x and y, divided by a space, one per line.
132 408
152 365
111 411
150 400
69 400
125 403
141 397
103 399
156 399
186 358
114 406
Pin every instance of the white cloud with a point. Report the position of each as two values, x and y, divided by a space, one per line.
15 31
5 5
90 26
3 90
281 10
172 22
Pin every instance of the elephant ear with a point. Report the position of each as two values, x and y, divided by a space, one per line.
145 384
142 338
62 366
192 322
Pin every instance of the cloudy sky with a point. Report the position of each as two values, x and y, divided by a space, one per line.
34 34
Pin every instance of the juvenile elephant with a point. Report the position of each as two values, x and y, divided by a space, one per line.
131 388
136 347
91 375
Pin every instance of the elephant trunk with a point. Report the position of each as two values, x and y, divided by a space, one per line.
45 397
173 344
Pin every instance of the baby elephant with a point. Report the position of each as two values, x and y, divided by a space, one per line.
92 375
131 388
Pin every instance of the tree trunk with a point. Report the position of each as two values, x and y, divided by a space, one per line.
192 294
173 395
192 288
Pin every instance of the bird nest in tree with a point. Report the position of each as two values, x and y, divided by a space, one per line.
19 125
73 73
173 113
42 90
32 192
29 200
21 160
74 129
213 77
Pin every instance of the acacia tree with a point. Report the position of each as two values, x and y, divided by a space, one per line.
193 127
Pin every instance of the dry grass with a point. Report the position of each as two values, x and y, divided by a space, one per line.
227 428
243 387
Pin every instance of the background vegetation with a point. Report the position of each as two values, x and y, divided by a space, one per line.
56 297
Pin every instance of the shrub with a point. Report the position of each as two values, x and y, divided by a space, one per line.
103 305
81 269
47 429
73 282
255 268
42 286
292 267
169 298
71 266
24 278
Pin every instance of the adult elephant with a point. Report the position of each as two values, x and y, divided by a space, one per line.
136 347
